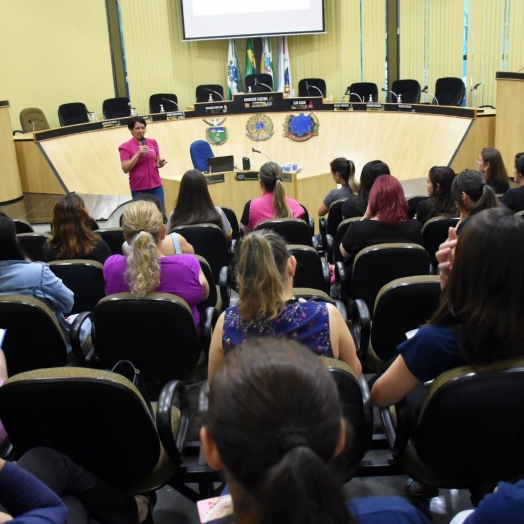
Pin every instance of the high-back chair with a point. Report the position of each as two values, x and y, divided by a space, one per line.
469 432
233 220
85 278
434 232
259 83
329 224
312 87
293 230
32 245
333 244
364 90
200 152
204 91
449 91
73 113
402 305
219 292
409 90
33 119
413 203
169 101
113 237
118 107
101 421
312 269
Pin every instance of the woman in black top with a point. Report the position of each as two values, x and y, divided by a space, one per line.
440 202
514 198
491 166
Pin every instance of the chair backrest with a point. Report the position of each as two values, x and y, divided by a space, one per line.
363 89
254 82
310 87
478 438
97 418
157 333
233 220
449 91
85 278
208 241
341 231
212 299
200 152
335 217
375 266
165 100
203 91
32 245
402 305
73 113
33 338
33 119
21 226
408 89
312 270
434 232
113 237
413 203
116 107
293 230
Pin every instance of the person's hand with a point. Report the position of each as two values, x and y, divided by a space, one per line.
446 256
161 163
143 150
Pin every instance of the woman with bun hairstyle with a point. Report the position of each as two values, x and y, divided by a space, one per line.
144 269
343 173
273 203
267 308
440 202
491 166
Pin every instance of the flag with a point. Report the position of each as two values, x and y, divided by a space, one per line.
233 76
266 63
251 65
284 69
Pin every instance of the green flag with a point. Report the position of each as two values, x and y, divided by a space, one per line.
233 76
251 67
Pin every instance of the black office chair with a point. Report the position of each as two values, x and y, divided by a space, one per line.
409 90
413 203
203 92
73 113
312 269
32 245
329 225
116 107
165 100
312 87
434 232
333 244
85 278
259 83
364 90
219 292
113 237
233 220
22 226
449 91
33 119
293 230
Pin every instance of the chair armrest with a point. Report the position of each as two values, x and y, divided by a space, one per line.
208 324
397 433
74 339
173 391
18 131
368 407
314 242
224 285
361 326
322 227
341 309
311 225
328 248
326 277
231 249
342 280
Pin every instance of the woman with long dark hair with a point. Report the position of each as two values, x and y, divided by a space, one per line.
343 173
440 202
71 236
514 198
491 166
195 206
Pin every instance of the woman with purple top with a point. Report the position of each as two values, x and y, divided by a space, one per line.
141 159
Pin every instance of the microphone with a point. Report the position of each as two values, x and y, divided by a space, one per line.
260 152
213 91
345 94
314 87
388 91
262 84
358 96
520 69
475 87
170 101
425 90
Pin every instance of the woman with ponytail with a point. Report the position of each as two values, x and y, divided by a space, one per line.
267 308
145 269
273 423
343 173
273 203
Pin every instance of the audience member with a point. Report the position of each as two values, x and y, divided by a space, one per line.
471 195
356 206
273 203
194 205
491 166
71 235
514 198
273 425
145 269
440 202
343 173
267 308
386 220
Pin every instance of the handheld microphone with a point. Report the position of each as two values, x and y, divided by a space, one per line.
260 152
262 84
425 90
388 91
314 87
215 92
170 101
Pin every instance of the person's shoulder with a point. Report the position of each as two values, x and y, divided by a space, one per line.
126 145
114 260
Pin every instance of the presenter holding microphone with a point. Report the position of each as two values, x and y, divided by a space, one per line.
140 158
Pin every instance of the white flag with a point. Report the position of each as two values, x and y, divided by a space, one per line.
233 74
267 59
284 69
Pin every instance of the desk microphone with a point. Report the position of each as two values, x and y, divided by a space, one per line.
425 90
170 101
260 152
388 91
475 87
213 91
262 84
520 69
314 87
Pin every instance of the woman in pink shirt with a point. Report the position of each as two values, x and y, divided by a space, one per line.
141 159
273 203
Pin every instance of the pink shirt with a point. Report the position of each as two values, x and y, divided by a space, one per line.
145 174
179 275
262 209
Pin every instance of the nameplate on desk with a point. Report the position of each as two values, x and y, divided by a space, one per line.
301 104
175 115
215 179
343 106
257 101
110 123
406 107
374 107
216 109
250 175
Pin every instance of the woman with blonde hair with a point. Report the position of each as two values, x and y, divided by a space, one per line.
267 308
145 269
273 203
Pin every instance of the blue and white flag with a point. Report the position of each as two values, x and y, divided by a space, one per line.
266 64
284 69
233 73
